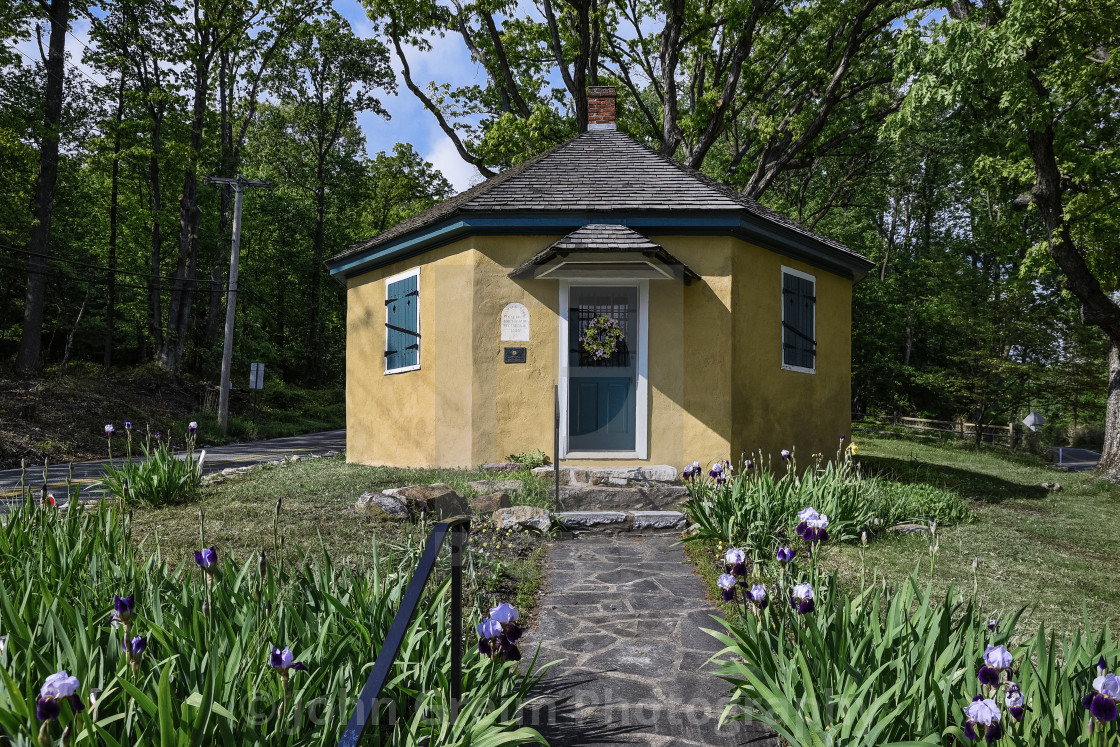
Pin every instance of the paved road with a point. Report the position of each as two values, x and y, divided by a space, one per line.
217 458
1074 460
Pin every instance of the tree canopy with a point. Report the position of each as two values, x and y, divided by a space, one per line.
969 149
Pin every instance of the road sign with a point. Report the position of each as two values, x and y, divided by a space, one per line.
1034 420
256 376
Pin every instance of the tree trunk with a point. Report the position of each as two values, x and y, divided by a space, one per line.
1096 306
225 101
73 329
155 291
28 357
315 341
111 291
579 72
1109 465
190 216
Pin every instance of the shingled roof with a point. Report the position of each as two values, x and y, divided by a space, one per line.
603 173
604 238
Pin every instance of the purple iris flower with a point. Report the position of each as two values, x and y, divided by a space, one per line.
282 660
802 599
134 647
727 582
499 634
813 525
982 720
757 594
786 555
56 688
492 643
816 530
109 430
1014 701
506 615
720 471
487 630
192 428
736 562
122 609
206 559
156 435
128 425
785 454
748 465
1102 702
692 470
996 659
992 625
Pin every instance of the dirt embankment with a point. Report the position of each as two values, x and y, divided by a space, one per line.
62 418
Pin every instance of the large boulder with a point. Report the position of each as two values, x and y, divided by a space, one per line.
523 517
438 499
379 505
489 503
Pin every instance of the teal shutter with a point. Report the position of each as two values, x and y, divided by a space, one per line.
402 324
799 347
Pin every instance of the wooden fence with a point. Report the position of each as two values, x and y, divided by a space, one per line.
1008 435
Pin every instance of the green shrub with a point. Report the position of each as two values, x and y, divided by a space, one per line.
205 676
758 509
894 503
159 479
894 665
530 459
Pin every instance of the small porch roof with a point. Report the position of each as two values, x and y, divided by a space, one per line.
604 250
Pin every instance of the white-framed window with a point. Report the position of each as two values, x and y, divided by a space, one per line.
402 322
799 321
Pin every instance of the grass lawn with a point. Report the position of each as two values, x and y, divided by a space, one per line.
317 498
1053 552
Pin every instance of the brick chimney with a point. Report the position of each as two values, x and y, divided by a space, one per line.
600 107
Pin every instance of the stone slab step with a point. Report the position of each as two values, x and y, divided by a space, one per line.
611 476
622 521
647 497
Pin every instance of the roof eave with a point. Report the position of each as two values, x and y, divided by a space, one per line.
778 238
738 223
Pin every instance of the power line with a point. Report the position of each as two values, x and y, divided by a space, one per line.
103 268
71 65
58 276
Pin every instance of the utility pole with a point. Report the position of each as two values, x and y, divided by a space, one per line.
239 185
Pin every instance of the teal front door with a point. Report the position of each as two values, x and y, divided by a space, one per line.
602 390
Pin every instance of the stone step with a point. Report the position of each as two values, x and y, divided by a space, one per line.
611 476
646 497
622 521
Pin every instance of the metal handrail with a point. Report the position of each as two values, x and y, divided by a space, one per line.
366 707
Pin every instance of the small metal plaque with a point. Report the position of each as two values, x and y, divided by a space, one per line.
516 355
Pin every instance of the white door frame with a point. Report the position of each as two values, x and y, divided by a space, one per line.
641 398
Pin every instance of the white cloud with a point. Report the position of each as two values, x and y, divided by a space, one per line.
444 157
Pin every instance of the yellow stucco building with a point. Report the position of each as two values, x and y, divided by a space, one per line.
672 318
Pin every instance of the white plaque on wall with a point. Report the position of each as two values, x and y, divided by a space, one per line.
515 323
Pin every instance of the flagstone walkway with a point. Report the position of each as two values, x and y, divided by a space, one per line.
625 612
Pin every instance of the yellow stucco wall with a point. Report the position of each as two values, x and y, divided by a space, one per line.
716 387
421 417
779 409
